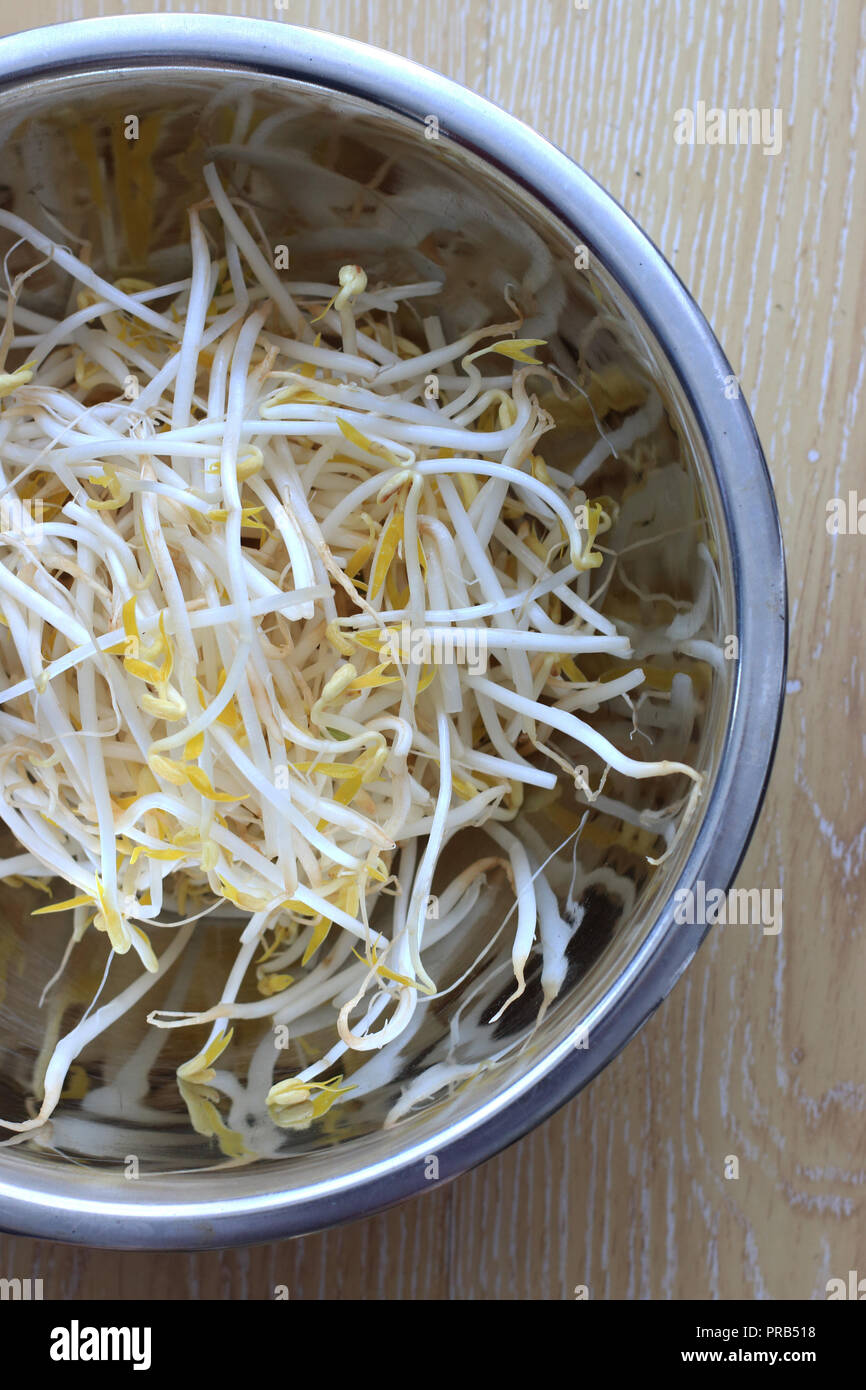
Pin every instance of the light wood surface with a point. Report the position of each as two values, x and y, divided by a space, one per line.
758 1053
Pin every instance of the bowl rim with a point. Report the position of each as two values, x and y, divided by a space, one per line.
36 1200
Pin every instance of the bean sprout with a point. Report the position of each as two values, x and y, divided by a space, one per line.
276 628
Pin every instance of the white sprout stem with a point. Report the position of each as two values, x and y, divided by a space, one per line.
580 731
75 1042
79 271
264 272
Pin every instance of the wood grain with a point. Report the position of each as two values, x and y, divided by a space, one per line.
758 1052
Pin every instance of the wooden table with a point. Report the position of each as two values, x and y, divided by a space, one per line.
758 1053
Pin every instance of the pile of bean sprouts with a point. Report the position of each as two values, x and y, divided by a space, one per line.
227 501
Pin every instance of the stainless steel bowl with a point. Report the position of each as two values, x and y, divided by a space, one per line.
501 206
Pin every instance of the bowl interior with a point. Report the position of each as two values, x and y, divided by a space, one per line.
335 179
